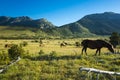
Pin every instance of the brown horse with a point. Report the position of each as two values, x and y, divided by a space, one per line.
8 45
63 44
96 44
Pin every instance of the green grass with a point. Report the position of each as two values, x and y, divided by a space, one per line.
15 32
57 63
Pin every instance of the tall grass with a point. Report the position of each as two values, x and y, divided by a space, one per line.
52 62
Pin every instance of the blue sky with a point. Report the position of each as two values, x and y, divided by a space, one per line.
59 12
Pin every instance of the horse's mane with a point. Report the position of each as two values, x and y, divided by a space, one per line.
106 41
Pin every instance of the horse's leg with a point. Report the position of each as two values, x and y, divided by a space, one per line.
99 51
82 50
85 51
96 52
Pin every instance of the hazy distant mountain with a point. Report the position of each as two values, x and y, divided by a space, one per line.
25 21
103 24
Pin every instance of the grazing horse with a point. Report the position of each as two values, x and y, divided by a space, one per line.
42 45
8 45
96 44
63 44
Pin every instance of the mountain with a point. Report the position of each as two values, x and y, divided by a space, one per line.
24 27
90 25
39 28
25 21
102 23
75 29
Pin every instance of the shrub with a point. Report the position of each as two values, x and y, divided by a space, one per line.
15 51
41 52
53 54
41 42
77 44
24 43
36 41
4 58
115 39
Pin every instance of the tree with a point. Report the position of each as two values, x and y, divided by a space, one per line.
77 44
15 51
115 39
23 44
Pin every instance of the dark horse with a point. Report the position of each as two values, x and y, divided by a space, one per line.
96 44
63 44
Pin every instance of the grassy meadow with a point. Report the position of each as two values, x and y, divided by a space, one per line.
52 62
7 32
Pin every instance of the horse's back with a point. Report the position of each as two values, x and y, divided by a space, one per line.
93 44
86 42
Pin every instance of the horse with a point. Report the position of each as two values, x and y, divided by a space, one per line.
96 44
63 44
8 45
42 45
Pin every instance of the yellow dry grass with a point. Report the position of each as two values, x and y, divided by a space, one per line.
51 45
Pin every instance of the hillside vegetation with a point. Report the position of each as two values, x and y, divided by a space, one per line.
7 32
102 24
88 26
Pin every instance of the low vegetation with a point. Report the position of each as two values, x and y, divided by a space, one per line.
52 62
15 51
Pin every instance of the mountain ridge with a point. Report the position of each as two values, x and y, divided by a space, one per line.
25 21
101 23
89 25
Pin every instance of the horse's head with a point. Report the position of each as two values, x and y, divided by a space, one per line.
108 45
110 48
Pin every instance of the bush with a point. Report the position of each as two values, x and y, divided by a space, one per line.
24 43
41 52
77 44
115 39
41 42
4 58
15 51
53 54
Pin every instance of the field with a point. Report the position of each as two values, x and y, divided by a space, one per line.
15 32
52 62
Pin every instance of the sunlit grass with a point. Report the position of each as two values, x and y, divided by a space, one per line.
62 66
